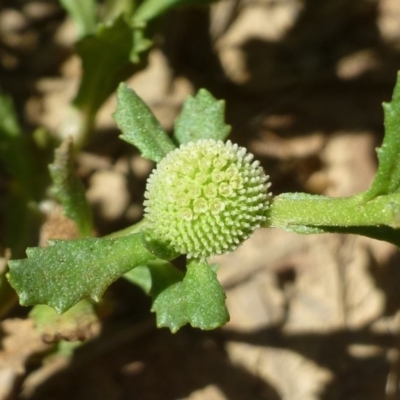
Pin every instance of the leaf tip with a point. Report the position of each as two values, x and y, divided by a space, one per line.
95 297
169 325
23 298
59 309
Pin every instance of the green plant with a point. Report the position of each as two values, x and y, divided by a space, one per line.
204 198
113 39
113 42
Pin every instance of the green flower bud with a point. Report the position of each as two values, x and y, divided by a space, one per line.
206 198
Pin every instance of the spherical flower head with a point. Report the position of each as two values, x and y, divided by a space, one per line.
206 197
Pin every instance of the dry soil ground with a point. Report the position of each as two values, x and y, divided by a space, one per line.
312 317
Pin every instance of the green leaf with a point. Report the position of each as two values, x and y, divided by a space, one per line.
13 148
139 126
198 299
387 179
140 276
20 222
105 61
154 277
83 13
68 271
151 9
141 44
202 117
205 297
69 190
112 9
375 213
8 118
171 308
163 281
75 324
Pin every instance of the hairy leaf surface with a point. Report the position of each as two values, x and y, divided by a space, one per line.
202 117
69 189
387 179
139 126
68 271
198 299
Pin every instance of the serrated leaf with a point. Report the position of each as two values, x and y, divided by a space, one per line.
162 280
68 271
202 117
205 297
171 308
139 126
83 13
387 179
150 9
77 323
198 299
68 188
105 61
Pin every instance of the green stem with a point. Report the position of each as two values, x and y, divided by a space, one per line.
305 213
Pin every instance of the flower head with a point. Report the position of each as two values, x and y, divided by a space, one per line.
206 197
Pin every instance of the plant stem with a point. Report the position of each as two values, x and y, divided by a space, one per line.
304 213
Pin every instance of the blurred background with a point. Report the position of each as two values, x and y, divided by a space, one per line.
312 317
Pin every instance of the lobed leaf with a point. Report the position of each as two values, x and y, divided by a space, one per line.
197 299
68 188
105 62
170 307
139 126
387 179
202 117
205 297
68 271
